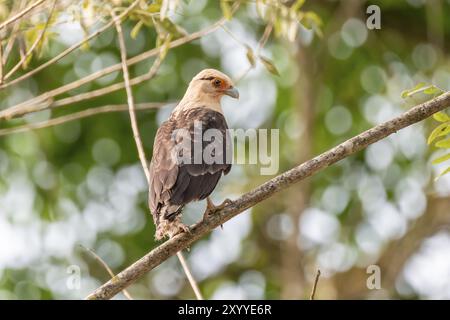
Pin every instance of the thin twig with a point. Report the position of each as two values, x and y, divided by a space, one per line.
267 190
190 277
233 36
262 42
79 115
36 104
265 37
34 45
69 50
107 90
1 62
21 14
12 36
107 268
130 99
9 45
316 280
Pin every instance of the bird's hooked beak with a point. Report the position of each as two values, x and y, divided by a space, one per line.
232 92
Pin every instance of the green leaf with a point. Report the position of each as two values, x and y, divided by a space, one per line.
251 57
154 8
269 65
297 5
310 20
445 143
226 9
135 31
409 92
441 116
173 29
442 173
441 159
432 90
439 131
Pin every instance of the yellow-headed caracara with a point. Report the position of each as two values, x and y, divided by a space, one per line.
174 183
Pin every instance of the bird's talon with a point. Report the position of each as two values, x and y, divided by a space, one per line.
211 208
225 203
182 228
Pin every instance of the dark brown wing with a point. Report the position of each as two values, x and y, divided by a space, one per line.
163 169
174 184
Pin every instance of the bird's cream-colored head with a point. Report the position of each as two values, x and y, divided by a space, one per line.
206 90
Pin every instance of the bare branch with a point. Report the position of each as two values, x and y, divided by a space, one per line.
1 63
266 190
107 268
70 49
189 275
314 288
130 99
107 90
265 37
44 100
79 115
21 14
12 35
34 45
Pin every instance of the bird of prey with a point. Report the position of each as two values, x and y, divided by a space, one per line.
174 183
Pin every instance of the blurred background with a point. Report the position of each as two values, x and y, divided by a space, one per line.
79 184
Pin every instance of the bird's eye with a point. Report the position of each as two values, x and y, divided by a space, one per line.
217 83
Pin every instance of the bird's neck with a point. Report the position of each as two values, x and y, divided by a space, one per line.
193 100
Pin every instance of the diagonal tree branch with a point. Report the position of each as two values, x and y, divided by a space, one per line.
130 99
79 115
1 62
107 90
21 14
12 35
266 190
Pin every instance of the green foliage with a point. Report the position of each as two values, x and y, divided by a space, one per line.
422 87
269 65
251 56
441 131
226 9
286 18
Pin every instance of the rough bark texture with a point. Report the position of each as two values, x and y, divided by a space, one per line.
266 190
